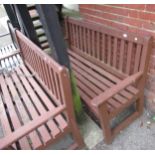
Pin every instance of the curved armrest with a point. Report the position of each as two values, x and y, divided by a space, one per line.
29 127
100 99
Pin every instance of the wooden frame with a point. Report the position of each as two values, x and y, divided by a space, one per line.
37 94
111 68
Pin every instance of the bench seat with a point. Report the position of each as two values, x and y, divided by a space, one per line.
22 99
92 80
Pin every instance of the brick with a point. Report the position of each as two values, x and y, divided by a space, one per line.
133 13
147 16
134 6
113 17
119 26
130 6
91 6
149 26
150 7
90 11
106 22
119 11
133 22
97 20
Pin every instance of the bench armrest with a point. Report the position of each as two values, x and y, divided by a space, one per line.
100 99
29 127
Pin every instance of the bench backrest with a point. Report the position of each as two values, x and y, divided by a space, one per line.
126 52
52 76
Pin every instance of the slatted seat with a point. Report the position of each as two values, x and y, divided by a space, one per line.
110 67
92 80
25 91
33 109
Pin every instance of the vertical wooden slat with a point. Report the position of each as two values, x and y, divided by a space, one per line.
80 37
84 40
89 42
74 35
98 45
103 48
77 36
137 58
56 86
147 48
53 81
70 34
129 54
121 55
92 43
115 52
109 49
47 73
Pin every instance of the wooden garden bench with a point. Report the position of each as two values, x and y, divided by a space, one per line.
36 107
110 67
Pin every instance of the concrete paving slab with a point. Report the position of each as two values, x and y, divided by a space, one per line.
140 135
91 132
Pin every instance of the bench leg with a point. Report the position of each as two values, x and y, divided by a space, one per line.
109 134
76 134
140 104
105 124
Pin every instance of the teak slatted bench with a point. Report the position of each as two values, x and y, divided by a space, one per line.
111 67
36 106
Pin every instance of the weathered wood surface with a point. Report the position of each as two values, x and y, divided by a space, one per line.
110 67
34 110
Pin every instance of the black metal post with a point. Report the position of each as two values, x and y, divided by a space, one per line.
12 15
49 19
26 21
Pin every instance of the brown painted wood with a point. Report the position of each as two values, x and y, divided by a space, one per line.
110 75
36 94
13 115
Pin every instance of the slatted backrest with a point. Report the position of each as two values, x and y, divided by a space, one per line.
50 74
126 52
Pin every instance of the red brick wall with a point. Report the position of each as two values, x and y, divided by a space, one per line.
137 18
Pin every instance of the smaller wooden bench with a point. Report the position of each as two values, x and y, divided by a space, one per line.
36 107
110 67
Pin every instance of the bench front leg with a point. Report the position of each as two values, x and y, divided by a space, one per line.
105 123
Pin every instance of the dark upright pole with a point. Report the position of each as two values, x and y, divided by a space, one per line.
26 22
49 19
12 15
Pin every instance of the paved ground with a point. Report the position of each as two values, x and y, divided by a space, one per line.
140 135
3 28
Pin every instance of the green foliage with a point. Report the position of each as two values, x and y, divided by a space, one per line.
153 118
76 99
